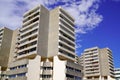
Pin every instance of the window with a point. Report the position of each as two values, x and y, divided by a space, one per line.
47 68
70 68
77 78
12 76
69 76
21 74
13 68
22 66
45 76
77 70
66 53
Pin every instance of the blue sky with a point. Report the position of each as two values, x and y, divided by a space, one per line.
96 21
107 33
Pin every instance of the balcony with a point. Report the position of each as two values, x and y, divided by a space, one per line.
46 64
65 13
19 78
32 11
31 16
67 46
28 41
67 50
27 48
65 23
64 40
63 56
16 71
31 21
30 54
63 16
46 72
30 30
63 37
23 29
66 32
27 37
67 36
67 28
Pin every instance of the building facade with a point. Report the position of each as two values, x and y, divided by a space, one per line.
98 64
44 48
5 46
117 73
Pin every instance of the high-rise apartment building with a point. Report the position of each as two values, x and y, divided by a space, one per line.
98 64
44 48
5 46
117 73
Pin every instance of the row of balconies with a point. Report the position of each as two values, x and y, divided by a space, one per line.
46 70
64 45
27 54
67 29
28 51
91 59
66 32
31 21
46 64
65 23
24 29
67 36
66 19
31 16
27 41
28 47
29 36
66 54
66 14
67 39
29 30
32 11
45 77
64 49
92 73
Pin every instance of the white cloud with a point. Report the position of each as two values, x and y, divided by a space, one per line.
83 11
11 11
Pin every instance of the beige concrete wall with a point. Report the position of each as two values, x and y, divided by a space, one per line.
104 64
53 32
43 32
34 69
13 45
59 69
5 47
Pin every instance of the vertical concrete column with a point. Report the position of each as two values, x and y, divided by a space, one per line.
34 69
110 78
100 78
59 69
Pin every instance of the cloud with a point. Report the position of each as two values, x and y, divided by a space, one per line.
84 12
12 11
